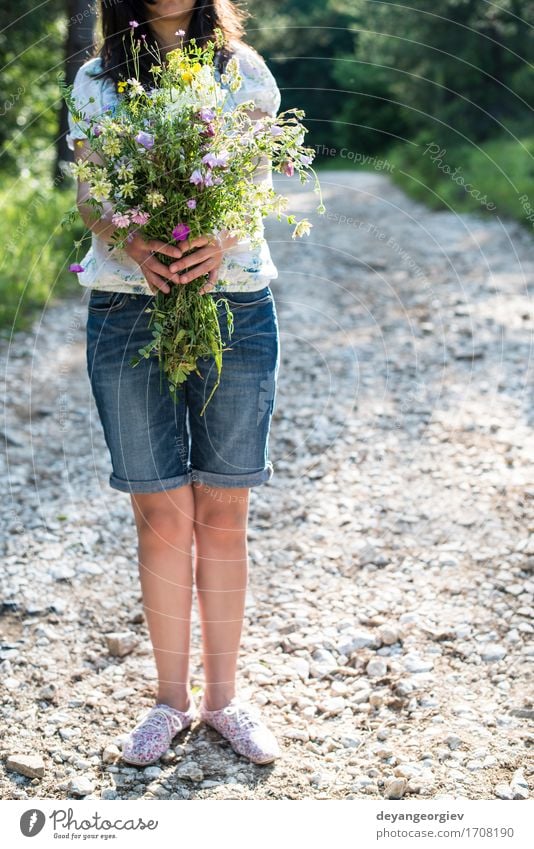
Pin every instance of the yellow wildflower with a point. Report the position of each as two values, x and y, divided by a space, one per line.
111 146
127 190
81 170
155 199
302 228
100 189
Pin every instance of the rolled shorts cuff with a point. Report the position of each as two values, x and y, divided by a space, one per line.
239 481
158 485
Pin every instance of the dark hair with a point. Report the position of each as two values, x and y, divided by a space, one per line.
115 50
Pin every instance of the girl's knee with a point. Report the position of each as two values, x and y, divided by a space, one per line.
158 517
220 510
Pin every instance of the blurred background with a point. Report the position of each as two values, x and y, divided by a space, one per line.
419 86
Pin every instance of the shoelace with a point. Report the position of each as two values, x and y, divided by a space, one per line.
246 718
152 721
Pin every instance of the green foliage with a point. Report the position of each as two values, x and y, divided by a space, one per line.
493 176
31 57
303 41
456 65
370 118
35 251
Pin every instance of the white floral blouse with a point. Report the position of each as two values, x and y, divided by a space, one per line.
243 266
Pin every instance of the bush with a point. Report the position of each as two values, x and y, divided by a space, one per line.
35 249
498 173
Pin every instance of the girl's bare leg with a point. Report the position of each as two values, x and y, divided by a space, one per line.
165 536
221 573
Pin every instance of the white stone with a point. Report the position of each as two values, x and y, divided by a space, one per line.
453 741
492 651
395 788
121 643
301 667
388 635
504 791
81 785
297 734
192 771
413 663
376 668
354 640
152 772
31 766
110 754
333 704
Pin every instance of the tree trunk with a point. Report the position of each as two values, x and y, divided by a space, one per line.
81 18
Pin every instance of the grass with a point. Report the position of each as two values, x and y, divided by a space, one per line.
35 250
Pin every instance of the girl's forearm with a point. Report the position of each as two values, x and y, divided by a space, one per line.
102 226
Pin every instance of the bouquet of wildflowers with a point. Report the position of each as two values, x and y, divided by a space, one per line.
177 166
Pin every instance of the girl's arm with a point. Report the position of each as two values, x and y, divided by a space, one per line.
139 249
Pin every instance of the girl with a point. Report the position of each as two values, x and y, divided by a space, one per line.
188 476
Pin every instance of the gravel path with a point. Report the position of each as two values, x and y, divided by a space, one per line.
390 607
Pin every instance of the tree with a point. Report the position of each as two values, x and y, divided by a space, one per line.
78 47
458 66
29 52
302 40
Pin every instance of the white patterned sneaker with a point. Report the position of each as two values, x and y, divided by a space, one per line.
154 732
240 724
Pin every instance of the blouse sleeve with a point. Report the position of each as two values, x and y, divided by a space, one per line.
85 87
258 83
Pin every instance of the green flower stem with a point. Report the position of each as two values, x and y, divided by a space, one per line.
185 328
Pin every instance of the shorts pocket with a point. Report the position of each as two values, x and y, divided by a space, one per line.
101 301
245 299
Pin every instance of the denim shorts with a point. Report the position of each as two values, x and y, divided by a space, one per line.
156 444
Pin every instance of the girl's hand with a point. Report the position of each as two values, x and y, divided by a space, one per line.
206 259
156 273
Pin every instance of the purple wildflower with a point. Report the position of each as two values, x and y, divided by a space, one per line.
288 168
76 267
181 232
145 139
133 24
276 131
206 114
209 159
213 160
196 177
191 203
